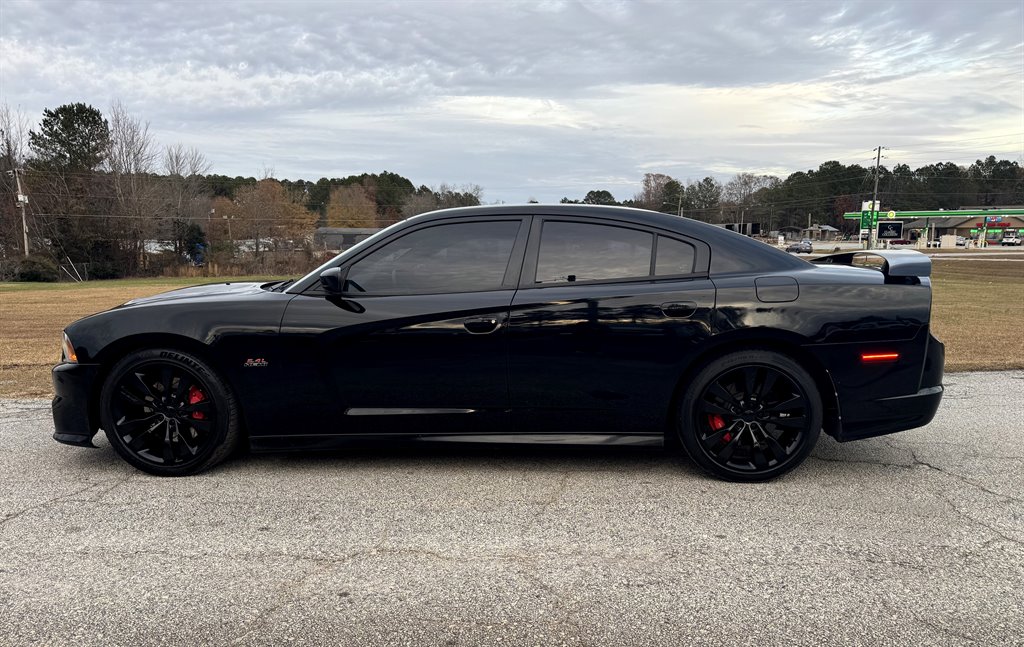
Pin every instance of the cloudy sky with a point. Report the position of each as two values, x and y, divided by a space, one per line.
534 99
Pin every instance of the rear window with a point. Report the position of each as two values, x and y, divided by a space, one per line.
575 251
674 257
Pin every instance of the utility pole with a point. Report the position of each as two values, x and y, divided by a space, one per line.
874 203
21 200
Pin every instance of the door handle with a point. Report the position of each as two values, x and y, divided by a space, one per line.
679 309
482 326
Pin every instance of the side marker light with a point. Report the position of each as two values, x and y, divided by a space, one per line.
879 357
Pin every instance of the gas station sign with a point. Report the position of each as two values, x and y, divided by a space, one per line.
890 230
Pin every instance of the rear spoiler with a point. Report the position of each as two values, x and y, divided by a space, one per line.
896 262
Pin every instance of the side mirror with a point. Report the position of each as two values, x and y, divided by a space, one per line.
333 280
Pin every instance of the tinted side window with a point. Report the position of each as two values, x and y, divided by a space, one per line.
574 251
461 257
674 257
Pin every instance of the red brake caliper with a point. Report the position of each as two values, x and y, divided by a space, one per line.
195 396
717 422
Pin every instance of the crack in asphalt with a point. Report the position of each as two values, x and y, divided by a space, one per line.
991 528
944 631
288 591
960 477
916 462
70 496
48 502
570 619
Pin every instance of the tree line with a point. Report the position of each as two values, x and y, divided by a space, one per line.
101 191
824 194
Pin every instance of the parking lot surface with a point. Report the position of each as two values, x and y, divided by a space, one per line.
916 539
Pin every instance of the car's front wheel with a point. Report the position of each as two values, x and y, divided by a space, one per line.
750 416
168 413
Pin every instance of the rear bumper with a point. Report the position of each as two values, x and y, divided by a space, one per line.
893 413
75 419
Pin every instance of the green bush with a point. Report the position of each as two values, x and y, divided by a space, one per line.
37 269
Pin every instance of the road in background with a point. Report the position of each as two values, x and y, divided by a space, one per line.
916 538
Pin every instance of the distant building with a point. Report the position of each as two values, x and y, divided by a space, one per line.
993 225
820 232
745 228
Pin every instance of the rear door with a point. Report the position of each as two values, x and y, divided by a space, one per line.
604 321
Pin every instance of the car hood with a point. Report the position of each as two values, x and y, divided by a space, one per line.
197 292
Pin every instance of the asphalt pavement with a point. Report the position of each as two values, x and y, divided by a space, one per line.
911 539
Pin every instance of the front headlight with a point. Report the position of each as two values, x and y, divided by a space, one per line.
67 350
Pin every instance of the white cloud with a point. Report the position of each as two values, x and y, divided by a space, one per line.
521 111
539 99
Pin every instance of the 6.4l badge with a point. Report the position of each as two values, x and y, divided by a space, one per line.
257 362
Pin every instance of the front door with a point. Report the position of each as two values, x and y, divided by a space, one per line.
417 344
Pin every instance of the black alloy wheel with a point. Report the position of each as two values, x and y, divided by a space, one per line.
751 416
167 413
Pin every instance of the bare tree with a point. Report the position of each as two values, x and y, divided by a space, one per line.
266 214
444 196
350 206
14 127
130 162
421 201
652 191
185 168
450 197
741 189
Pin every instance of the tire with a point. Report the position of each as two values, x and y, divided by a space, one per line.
168 413
750 416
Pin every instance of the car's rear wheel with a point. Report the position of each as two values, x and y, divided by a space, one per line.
750 416
168 413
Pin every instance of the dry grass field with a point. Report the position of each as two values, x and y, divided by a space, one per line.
978 313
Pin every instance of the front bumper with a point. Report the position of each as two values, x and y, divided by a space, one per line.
75 418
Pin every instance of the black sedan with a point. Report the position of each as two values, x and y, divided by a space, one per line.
528 324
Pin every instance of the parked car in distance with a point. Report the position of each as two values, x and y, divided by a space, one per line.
1012 238
803 247
517 324
901 241
961 241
